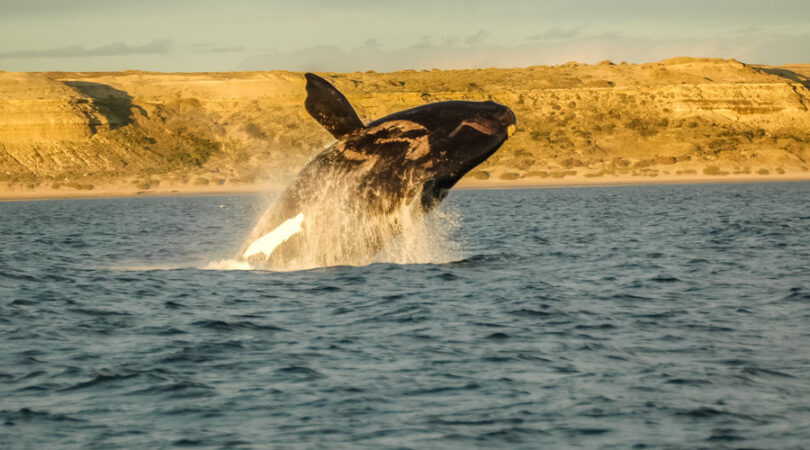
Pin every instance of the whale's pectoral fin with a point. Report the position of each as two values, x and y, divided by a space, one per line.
330 108
267 243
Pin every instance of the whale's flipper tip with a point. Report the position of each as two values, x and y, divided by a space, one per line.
330 108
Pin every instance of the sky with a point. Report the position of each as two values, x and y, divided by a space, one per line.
386 35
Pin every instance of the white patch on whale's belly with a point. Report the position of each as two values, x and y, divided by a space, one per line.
267 243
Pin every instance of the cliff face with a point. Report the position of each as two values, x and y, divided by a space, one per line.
680 116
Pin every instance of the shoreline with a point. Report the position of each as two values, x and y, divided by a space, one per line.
127 191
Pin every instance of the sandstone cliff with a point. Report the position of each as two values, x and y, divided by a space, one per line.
680 116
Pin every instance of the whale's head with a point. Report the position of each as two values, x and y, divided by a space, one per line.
449 139
420 151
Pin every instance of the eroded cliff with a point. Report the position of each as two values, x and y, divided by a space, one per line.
680 116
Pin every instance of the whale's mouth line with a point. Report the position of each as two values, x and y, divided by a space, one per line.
436 189
477 160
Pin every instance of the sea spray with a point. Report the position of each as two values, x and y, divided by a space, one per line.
346 222
425 239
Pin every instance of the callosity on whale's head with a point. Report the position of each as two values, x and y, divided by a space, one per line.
420 151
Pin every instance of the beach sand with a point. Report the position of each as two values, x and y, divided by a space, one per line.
164 189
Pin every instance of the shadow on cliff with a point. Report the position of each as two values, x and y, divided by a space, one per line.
789 74
114 104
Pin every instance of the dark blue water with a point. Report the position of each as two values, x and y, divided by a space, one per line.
666 316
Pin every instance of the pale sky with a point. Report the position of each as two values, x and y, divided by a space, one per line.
384 35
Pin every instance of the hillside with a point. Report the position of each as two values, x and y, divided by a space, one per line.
679 117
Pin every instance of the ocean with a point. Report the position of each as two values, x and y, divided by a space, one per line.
610 317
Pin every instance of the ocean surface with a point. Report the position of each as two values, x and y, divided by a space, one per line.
613 317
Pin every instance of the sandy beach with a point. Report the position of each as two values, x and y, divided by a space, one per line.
128 190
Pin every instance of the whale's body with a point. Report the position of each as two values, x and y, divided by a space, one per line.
355 196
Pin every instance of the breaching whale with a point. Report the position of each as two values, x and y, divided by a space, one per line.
356 195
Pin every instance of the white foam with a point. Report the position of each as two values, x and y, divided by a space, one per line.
228 264
267 243
345 224
424 239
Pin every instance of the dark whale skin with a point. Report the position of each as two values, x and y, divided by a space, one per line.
352 192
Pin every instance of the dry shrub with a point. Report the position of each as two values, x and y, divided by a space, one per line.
563 173
79 186
479 175
142 184
243 179
714 170
571 162
641 127
510 176
254 131
620 162
666 160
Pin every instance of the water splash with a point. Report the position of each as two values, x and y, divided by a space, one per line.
426 240
345 220
229 264
429 239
